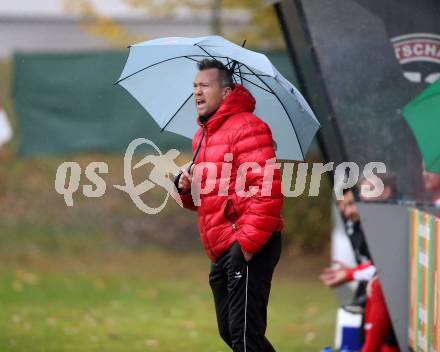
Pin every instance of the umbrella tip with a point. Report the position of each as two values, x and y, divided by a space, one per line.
244 43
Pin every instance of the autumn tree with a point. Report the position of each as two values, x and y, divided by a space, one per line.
260 26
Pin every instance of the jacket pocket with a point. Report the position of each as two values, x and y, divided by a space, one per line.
230 212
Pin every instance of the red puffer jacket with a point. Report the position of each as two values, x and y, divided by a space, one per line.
229 217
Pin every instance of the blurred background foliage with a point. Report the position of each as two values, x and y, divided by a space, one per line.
261 29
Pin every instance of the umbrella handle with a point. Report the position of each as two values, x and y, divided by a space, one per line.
177 178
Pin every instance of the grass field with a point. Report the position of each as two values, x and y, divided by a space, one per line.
88 278
150 300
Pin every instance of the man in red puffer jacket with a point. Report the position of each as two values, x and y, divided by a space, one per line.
238 199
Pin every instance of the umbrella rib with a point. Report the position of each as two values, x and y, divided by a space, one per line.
211 56
228 66
285 110
179 57
204 56
160 62
239 72
190 58
256 85
231 65
205 51
256 74
180 108
147 67
240 65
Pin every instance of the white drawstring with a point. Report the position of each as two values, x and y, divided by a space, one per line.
245 307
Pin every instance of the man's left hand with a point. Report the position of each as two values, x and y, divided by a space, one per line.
247 256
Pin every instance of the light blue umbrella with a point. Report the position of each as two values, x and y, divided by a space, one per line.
159 74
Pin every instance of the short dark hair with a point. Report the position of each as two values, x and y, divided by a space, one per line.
389 179
225 75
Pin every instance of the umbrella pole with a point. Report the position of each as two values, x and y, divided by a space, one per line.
235 62
177 178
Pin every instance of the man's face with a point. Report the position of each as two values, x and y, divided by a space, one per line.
350 210
431 181
385 195
208 93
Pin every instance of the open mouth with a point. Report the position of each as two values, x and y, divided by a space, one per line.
200 102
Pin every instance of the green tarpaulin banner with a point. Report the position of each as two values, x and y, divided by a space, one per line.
68 103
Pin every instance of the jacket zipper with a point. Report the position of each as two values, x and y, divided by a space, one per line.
203 209
233 224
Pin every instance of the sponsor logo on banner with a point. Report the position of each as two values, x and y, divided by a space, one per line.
419 55
424 293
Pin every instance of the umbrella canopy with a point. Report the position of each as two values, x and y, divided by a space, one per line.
423 116
159 75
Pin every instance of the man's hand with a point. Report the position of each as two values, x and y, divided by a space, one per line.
185 181
333 277
247 256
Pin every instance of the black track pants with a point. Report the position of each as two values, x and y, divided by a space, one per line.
241 293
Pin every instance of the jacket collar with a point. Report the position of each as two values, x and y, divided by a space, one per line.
239 100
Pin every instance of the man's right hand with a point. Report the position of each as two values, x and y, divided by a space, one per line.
335 276
185 182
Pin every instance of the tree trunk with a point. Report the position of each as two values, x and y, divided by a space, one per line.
216 21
